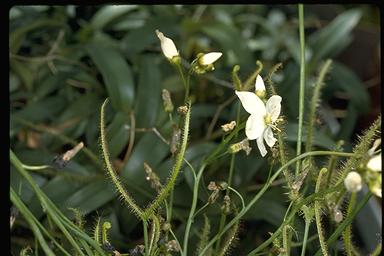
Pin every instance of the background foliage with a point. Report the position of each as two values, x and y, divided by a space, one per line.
65 60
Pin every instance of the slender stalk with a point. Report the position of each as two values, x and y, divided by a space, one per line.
306 229
193 208
239 195
286 244
347 232
302 81
202 208
131 137
314 102
36 231
145 229
111 172
320 232
185 81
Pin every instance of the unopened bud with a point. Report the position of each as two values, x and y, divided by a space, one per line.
175 140
166 226
337 216
167 101
226 207
152 177
353 182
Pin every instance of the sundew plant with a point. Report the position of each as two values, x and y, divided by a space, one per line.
187 130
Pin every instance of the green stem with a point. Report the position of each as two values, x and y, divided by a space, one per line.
286 244
145 229
314 104
111 172
193 208
266 186
202 208
347 232
239 195
185 81
320 232
306 229
57 216
35 229
302 81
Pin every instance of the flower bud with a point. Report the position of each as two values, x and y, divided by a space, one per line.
167 46
209 58
260 88
353 182
337 216
167 101
204 62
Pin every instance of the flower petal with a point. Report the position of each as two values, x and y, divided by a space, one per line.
209 58
268 136
374 163
273 107
254 127
167 46
260 145
259 85
251 103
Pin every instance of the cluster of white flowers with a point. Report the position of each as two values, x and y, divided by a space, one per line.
263 116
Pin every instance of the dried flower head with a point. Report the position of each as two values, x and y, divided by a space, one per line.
229 126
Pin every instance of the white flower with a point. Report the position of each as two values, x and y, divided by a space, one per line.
353 182
167 46
209 58
374 163
260 122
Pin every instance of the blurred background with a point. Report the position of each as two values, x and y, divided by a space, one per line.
65 60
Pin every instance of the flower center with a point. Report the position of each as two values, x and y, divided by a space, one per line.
267 119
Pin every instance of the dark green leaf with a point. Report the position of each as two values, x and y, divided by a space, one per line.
327 41
148 93
116 75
